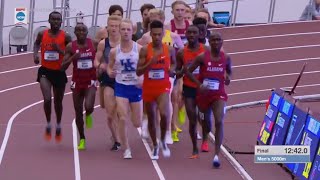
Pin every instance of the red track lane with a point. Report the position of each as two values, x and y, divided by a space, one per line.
97 161
266 43
15 62
276 55
267 30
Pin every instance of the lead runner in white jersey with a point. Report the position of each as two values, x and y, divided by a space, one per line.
122 66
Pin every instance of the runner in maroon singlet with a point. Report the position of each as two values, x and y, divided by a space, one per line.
215 73
81 54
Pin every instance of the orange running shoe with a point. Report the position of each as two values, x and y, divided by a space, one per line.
47 134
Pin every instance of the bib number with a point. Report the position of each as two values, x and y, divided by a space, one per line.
51 56
129 76
156 74
84 64
212 84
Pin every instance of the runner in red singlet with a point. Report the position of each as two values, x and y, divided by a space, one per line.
215 73
81 54
52 43
157 63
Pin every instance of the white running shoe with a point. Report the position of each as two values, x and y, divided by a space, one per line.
144 130
165 150
155 153
216 161
168 138
198 136
127 154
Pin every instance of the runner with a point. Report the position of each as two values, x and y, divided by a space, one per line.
52 43
178 24
107 97
157 62
81 53
122 65
215 72
185 57
114 10
140 27
174 40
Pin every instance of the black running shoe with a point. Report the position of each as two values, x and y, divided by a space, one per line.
58 134
47 134
116 146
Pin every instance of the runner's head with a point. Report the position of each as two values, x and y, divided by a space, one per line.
189 15
192 34
81 31
156 32
144 10
156 14
113 25
215 41
201 23
55 20
126 31
178 10
116 10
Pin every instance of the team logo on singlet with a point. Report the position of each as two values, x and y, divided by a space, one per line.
127 64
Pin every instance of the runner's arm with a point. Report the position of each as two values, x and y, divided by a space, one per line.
228 70
68 57
173 62
177 40
179 68
36 47
98 61
142 66
196 63
112 58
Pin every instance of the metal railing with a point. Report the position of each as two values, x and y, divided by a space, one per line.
65 11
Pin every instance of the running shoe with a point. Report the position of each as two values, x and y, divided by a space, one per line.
168 138
58 134
174 135
116 146
165 150
89 121
82 144
182 116
216 161
155 153
127 154
198 136
144 130
47 134
195 155
205 146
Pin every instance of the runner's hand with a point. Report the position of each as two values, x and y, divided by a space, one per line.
227 80
36 59
203 87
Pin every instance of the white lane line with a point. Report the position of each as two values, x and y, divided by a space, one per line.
77 171
154 162
263 90
21 86
276 62
274 49
15 55
20 69
272 36
8 129
76 152
269 24
236 165
271 76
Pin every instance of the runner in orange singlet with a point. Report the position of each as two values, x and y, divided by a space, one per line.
185 58
52 43
157 63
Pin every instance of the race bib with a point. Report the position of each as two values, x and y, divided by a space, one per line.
51 56
156 74
84 64
212 84
129 76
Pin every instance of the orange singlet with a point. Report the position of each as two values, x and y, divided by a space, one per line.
156 78
188 58
51 59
